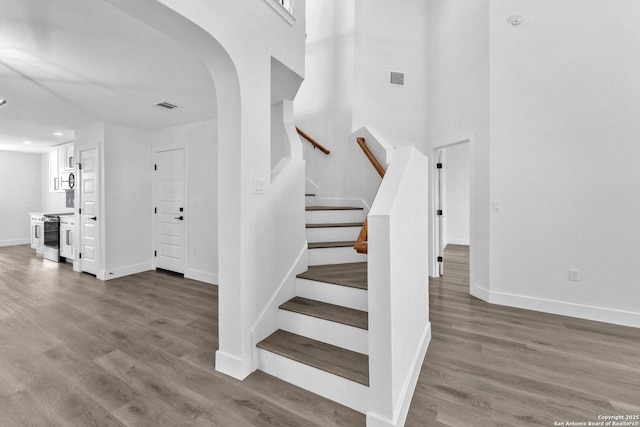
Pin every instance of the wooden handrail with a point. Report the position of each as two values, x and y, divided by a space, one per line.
362 246
367 152
312 141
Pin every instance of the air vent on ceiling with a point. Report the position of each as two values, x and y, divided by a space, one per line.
396 78
165 105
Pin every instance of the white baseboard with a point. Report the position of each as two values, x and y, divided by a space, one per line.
402 408
201 276
562 308
124 271
464 242
15 242
236 367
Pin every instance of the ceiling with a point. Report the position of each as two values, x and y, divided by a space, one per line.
67 64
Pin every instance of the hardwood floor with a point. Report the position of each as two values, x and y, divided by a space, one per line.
75 351
489 365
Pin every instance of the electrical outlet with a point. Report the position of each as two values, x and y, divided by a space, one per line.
258 185
574 274
496 206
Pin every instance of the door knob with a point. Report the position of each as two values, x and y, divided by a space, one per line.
179 217
93 218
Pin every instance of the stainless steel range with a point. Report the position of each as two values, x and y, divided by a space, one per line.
52 236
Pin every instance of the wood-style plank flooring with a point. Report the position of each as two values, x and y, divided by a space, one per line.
75 351
489 365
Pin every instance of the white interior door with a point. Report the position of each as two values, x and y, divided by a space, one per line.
170 215
89 202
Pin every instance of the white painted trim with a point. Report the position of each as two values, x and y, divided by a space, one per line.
15 242
462 138
480 292
338 334
402 407
127 270
233 366
262 327
598 314
201 276
348 393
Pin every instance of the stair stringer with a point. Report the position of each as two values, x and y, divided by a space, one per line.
267 321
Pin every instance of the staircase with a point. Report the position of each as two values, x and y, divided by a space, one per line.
322 341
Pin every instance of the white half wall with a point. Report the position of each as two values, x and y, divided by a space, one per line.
20 191
456 187
201 140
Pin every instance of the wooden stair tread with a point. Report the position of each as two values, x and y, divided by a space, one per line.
326 311
333 208
353 274
335 224
329 358
322 245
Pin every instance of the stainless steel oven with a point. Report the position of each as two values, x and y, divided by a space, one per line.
52 237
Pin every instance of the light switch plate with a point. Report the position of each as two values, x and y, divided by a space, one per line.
258 185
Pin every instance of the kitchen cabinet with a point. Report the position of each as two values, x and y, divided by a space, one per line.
67 234
61 165
37 232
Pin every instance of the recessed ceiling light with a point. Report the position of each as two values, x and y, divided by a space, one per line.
27 142
58 134
3 101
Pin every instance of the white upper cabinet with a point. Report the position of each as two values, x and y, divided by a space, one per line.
61 165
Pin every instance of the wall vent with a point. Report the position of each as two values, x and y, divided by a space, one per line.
396 78
165 105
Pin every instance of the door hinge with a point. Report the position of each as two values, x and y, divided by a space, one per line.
79 166
155 167
439 212
155 253
80 210
80 256
439 165
155 210
439 259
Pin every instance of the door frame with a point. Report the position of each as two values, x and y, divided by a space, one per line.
154 202
77 241
434 226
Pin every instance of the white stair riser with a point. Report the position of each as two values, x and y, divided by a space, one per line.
338 389
321 217
335 256
333 294
332 234
309 200
345 336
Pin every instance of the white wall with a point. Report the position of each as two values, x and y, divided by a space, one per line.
52 202
127 201
565 97
351 47
457 207
20 191
459 106
201 142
